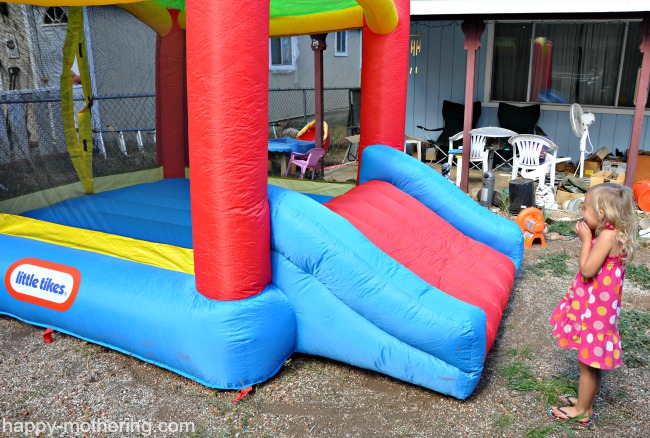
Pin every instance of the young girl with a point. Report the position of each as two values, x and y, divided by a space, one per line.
586 319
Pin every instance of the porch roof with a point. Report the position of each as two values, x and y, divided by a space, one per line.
524 7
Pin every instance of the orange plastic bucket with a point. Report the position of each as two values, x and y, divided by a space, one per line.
642 194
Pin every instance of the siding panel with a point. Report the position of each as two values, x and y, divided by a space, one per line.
444 78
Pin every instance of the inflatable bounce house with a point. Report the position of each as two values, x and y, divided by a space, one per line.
221 277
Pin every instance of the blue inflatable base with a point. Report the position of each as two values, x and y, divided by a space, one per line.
158 316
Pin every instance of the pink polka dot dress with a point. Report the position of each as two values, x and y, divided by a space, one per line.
586 319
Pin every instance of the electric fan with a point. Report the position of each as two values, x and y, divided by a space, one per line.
580 122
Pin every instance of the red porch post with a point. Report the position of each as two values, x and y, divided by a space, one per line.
473 29
641 100
318 45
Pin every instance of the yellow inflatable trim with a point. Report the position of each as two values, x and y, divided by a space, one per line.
182 19
79 142
151 14
140 251
72 2
381 17
332 21
312 187
47 197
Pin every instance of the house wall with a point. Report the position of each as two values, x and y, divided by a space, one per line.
123 51
13 26
441 75
47 41
121 56
338 71
342 72
25 130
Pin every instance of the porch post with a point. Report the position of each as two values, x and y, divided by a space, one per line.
641 100
473 29
318 45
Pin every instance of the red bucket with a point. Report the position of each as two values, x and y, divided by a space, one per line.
642 194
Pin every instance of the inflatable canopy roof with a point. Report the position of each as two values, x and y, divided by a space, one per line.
211 119
287 17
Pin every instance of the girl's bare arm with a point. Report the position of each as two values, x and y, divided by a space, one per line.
591 259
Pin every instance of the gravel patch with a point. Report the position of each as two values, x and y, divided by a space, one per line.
88 386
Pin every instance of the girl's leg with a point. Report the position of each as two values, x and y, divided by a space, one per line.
572 400
588 386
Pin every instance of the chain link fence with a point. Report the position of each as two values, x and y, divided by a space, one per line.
128 124
31 124
291 109
33 152
294 107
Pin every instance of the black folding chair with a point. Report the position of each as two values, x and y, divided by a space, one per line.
453 116
522 120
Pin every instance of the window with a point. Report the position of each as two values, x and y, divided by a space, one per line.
55 15
284 52
341 43
590 63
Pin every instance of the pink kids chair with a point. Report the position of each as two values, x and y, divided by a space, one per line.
308 160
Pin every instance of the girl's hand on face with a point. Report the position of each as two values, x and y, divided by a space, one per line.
583 231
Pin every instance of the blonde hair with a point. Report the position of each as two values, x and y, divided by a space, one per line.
614 204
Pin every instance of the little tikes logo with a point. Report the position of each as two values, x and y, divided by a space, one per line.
43 283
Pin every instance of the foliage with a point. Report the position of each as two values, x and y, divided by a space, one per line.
639 274
551 263
520 377
537 433
563 228
502 421
634 328
505 201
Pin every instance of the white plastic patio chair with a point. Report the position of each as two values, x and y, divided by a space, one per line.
533 157
477 153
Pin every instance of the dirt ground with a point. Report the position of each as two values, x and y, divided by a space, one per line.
92 387
73 381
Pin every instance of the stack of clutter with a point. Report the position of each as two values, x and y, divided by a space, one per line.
571 193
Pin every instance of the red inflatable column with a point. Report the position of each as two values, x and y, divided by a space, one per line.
384 77
171 108
227 94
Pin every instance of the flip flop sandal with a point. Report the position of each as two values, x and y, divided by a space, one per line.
570 400
572 421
